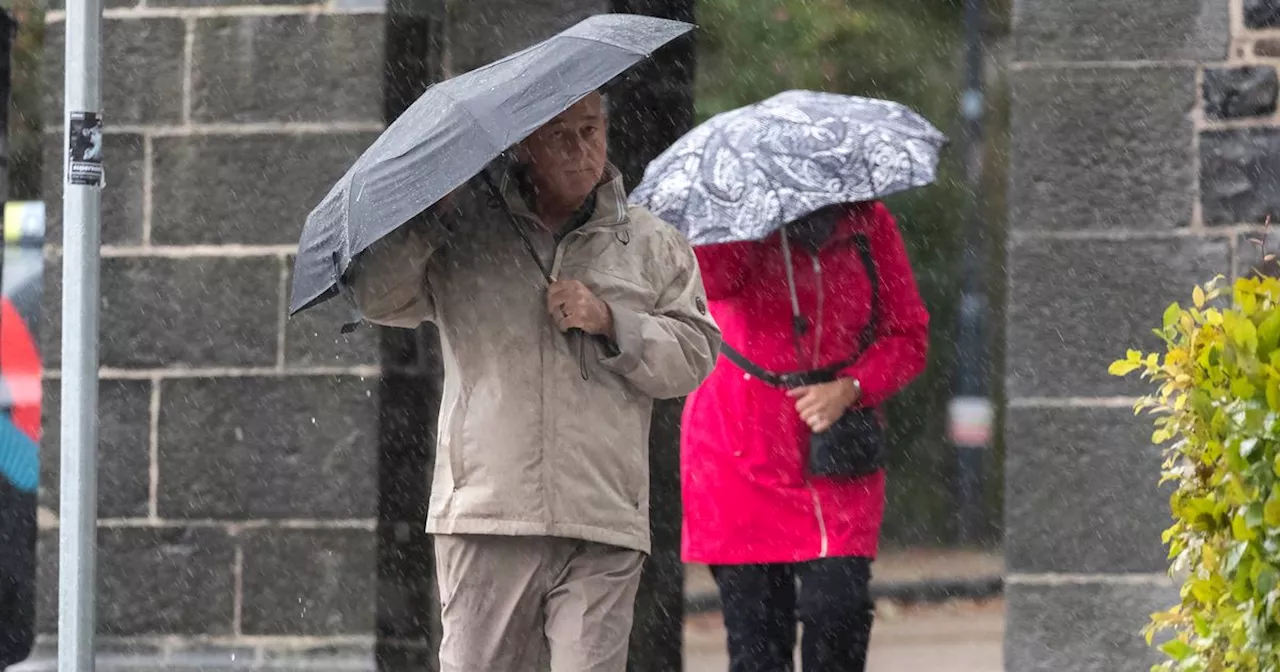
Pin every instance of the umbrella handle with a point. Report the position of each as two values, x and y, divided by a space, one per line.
511 218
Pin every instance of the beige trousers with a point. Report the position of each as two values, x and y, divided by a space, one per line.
528 604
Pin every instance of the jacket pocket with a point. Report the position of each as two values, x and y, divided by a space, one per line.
455 430
636 461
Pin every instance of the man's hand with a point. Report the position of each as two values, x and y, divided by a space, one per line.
573 306
821 405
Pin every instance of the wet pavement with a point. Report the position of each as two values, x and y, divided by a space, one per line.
955 636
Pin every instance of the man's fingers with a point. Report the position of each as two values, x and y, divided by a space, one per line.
558 295
810 403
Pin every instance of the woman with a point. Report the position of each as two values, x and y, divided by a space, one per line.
752 509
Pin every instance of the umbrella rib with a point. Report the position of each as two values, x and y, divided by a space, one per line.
615 45
466 110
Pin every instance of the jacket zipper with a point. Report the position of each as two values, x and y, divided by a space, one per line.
823 548
825 543
817 318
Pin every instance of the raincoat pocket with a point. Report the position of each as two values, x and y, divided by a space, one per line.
456 425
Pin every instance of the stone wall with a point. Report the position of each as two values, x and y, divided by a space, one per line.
1145 150
239 487
263 481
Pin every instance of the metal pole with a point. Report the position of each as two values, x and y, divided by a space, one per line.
970 410
82 210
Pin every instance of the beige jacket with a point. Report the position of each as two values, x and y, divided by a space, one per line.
534 438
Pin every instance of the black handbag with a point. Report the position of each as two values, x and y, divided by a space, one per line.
856 444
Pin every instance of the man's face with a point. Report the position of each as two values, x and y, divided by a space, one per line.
566 157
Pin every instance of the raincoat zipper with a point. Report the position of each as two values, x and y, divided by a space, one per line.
554 274
824 547
814 353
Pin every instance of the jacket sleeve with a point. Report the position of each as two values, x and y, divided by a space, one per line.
900 350
726 267
389 278
668 352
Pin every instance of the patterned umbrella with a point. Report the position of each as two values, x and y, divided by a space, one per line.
745 173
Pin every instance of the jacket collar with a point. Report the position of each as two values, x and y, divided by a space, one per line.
610 206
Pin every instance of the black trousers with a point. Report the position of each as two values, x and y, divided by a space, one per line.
762 602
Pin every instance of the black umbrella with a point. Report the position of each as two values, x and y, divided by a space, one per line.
456 129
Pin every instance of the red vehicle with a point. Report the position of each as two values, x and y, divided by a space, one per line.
21 371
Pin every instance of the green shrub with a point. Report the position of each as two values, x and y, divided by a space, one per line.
1218 408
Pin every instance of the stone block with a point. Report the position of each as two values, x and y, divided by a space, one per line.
229 3
53 5
1105 30
1234 93
142 71
1262 13
1082 627
1252 250
122 207
314 338
1077 305
310 582
49 325
353 657
1267 48
152 581
1240 175
314 67
1102 148
211 311
1082 493
245 189
124 454
269 447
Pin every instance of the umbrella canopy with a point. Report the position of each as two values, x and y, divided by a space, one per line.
745 173
457 128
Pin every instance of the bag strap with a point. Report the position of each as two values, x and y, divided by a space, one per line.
868 335
800 324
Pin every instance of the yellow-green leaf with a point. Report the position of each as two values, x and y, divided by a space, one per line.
1271 510
1242 388
1269 333
1245 335
1240 530
1171 315
1197 295
1177 649
1122 367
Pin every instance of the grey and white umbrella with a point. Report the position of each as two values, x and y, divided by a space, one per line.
745 173
455 130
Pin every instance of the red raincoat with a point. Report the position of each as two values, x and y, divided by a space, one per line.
747 498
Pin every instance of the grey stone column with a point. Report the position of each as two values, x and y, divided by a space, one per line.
1113 216
239 462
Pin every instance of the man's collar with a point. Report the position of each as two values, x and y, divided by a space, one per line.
610 199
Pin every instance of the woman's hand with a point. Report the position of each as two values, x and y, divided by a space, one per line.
821 405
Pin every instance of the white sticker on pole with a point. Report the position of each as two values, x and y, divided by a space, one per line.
84 149
970 422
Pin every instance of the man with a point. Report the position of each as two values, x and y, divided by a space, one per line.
540 501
